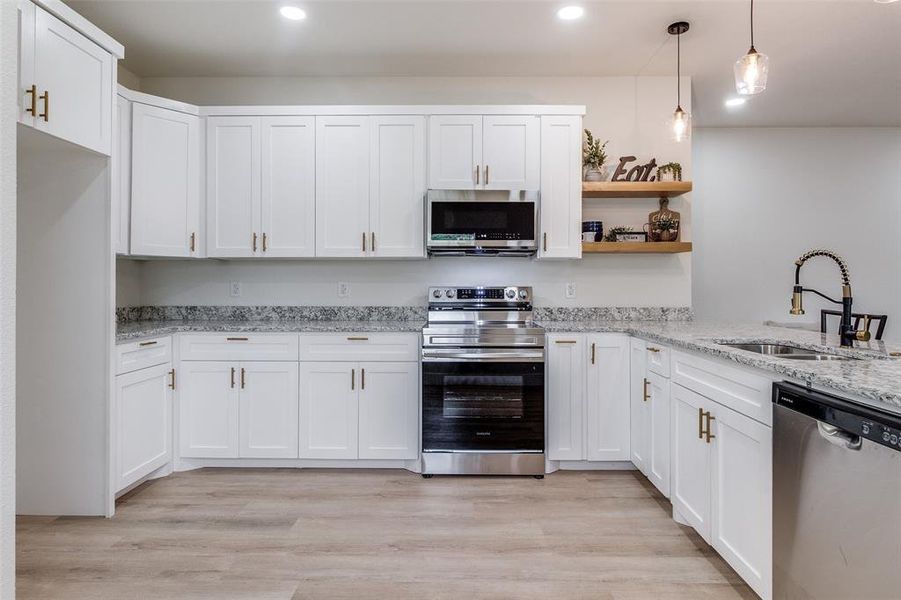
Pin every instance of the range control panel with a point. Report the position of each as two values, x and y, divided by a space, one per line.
480 295
878 432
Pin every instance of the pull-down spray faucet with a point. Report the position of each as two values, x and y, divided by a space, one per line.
847 333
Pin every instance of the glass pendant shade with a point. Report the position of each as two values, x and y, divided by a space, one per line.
750 73
680 125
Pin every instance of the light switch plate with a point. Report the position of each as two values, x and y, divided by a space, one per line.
570 291
343 289
235 289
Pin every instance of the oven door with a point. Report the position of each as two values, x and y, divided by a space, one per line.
483 401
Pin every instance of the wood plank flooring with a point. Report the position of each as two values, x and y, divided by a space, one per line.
284 533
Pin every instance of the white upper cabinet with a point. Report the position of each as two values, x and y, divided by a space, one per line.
233 186
288 218
342 186
165 182
397 186
268 410
561 187
121 176
607 397
66 81
495 152
511 147
566 396
455 152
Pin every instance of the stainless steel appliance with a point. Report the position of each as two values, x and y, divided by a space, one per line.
482 383
836 498
482 222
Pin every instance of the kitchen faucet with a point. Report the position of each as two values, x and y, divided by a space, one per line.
846 332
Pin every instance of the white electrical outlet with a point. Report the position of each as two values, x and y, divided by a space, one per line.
235 289
570 291
343 289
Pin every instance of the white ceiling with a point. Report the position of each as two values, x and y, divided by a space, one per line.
832 62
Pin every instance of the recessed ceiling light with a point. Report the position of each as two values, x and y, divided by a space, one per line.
293 12
570 13
885 1
731 102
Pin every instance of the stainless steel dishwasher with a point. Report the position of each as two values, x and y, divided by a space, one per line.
836 498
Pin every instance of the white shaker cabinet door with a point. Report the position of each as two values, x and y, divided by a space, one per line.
268 410
691 458
121 176
73 78
288 225
566 396
455 152
511 150
208 409
561 187
639 445
328 410
397 186
607 397
658 432
143 422
342 186
165 185
233 186
742 496
389 410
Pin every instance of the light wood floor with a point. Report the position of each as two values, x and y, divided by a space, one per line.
259 534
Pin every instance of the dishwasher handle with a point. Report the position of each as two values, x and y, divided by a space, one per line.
839 437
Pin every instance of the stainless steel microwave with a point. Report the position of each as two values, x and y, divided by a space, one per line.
482 222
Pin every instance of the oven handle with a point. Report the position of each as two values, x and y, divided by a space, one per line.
523 356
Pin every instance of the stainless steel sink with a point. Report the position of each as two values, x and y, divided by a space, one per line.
786 351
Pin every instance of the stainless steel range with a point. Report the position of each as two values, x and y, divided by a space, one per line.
482 383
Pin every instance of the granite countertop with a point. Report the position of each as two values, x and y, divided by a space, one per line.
137 330
876 379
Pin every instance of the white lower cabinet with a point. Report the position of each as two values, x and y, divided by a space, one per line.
657 425
690 460
565 396
638 407
143 422
359 410
268 410
208 410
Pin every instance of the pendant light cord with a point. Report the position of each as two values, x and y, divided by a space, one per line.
752 24
679 70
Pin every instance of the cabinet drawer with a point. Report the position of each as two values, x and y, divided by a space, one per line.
238 346
658 359
140 355
740 389
349 346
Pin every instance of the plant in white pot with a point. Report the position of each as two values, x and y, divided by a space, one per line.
671 171
594 158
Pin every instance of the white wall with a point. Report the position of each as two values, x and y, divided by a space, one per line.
8 108
764 196
630 111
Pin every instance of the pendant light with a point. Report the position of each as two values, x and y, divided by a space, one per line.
751 69
681 121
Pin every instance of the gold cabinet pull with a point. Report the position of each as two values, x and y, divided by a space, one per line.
193 241
46 98
545 241
372 241
33 105
709 436
592 352
233 378
362 379
653 349
477 174
357 339
564 341
352 377
254 241
264 241
486 174
172 381
364 242
700 423
151 343
236 339
243 373
646 395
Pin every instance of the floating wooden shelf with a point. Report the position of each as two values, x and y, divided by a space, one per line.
635 247
634 189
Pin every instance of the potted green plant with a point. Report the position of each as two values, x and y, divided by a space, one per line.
672 171
666 228
594 157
